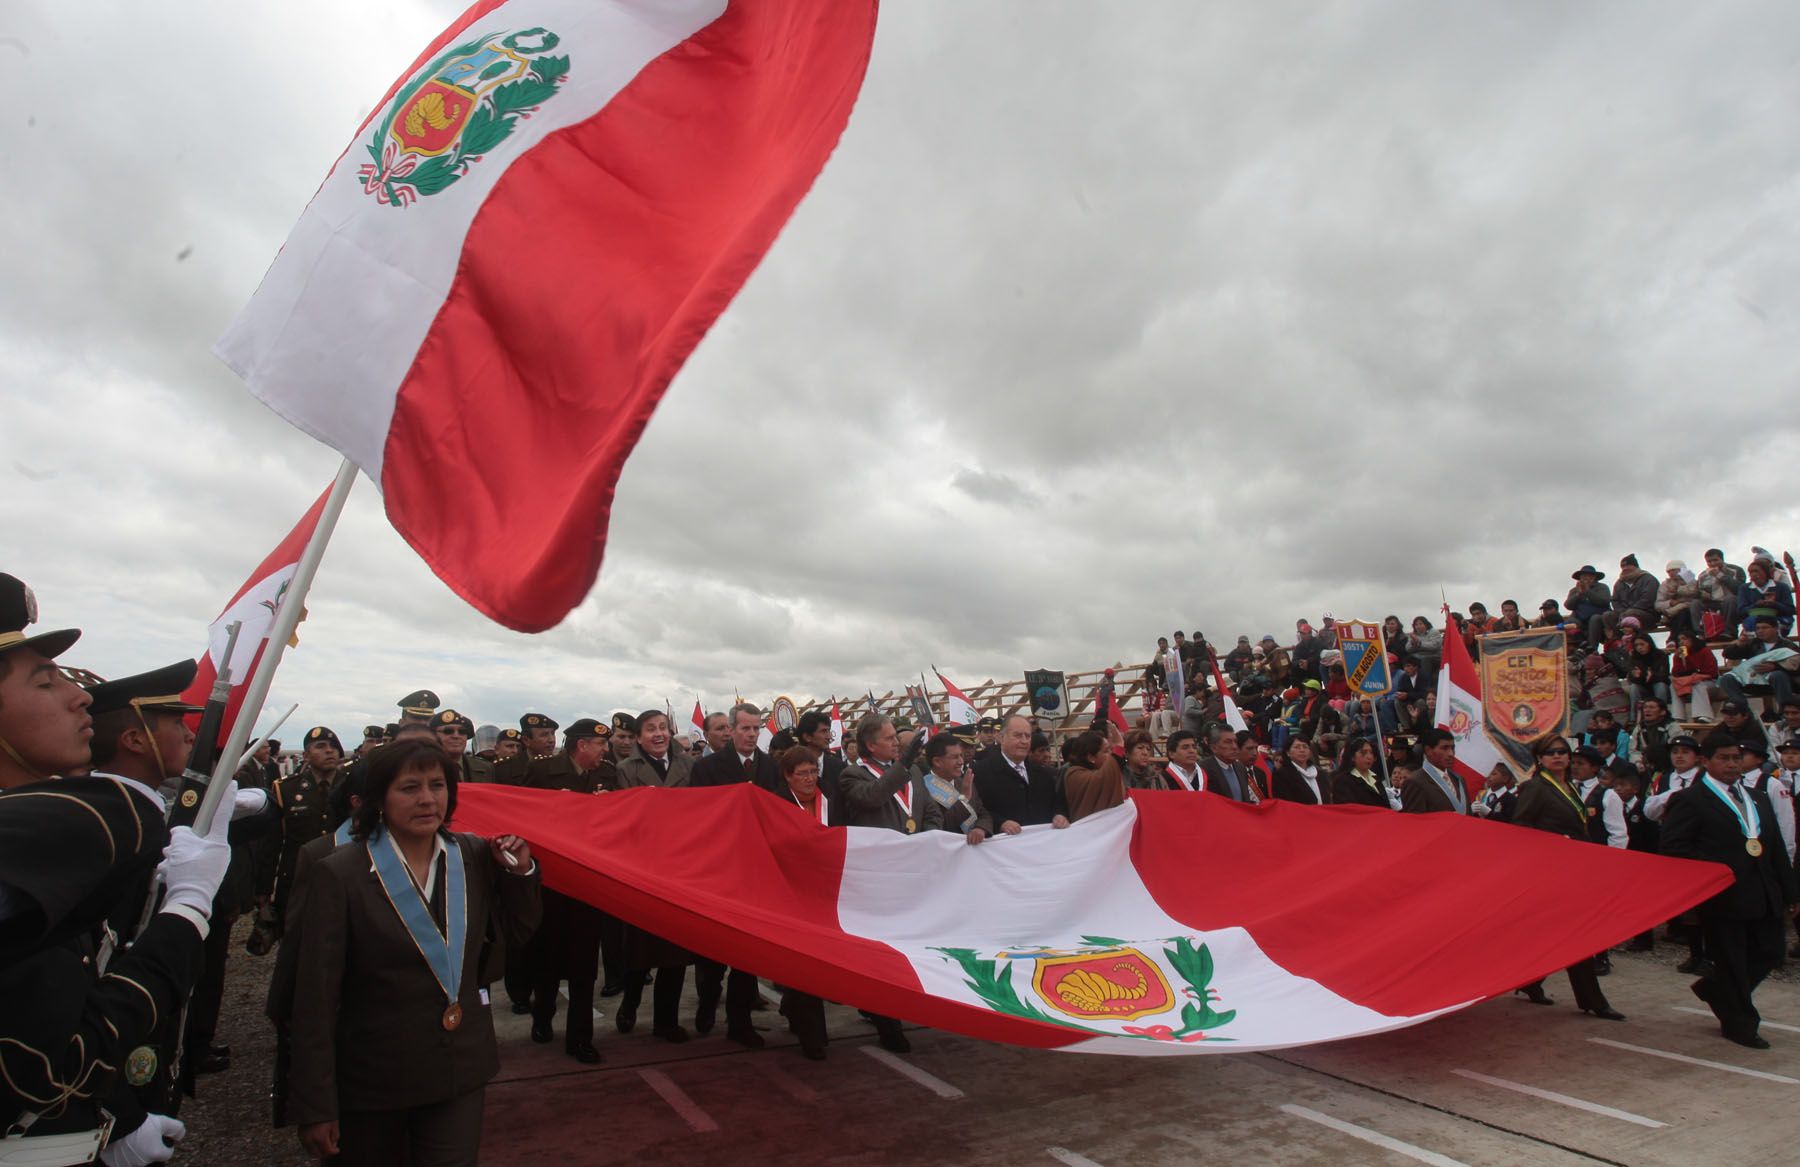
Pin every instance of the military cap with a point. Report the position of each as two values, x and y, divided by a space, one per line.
450 717
585 728
533 721
1756 746
1684 741
389 730
624 723
420 703
1590 754
510 735
374 733
1792 743
18 611
158 689
320 733
988 722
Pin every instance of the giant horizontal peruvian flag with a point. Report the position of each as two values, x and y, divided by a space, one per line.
1176 923
491 290
253 606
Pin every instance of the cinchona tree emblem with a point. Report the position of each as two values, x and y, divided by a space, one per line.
456 111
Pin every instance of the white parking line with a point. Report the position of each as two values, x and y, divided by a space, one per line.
1069 1158
1709 1013
1726 1066
786 1083
678 1101
1375 1137
906 1069
1563 1099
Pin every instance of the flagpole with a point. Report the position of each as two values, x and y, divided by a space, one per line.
287 618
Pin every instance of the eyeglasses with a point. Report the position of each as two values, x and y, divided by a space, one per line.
1556 753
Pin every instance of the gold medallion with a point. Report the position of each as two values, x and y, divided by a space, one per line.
1592 811
911 826
1754 846
140 1066
453 1016
190 799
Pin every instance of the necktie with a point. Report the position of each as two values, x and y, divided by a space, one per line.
750 768
1737 795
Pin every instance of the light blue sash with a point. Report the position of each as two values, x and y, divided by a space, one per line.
341 836
443 954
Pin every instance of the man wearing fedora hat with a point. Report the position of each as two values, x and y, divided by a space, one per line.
1589 601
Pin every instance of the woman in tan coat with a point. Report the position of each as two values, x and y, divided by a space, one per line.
1094 782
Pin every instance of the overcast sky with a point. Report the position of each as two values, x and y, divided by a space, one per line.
1104 319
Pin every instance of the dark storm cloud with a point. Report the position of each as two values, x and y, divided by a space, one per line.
1102 321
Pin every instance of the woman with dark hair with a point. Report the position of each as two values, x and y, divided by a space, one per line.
1093 782
393 1041
1140 770
1359 782
1548 802
1646 672
1693 675
1297 779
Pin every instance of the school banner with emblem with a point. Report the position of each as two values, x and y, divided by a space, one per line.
1178 923
1524 691
1365 658
517 251
1048 693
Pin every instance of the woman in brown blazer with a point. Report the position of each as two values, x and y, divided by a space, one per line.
393 1041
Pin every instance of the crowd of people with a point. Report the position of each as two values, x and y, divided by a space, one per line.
383 1015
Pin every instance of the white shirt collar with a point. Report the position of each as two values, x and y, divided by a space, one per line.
147 791
438 850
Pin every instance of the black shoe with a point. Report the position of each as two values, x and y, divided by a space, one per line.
520 1008
671 1033
894 1041
611 989
213 1064
1702 989
1750 1039
745 1036
705 1014
1536 995
1606 1013
1693 966
585 1053
762 1004
625 1019
540 1033
1603 965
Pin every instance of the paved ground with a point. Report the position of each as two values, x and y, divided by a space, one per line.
1503 1083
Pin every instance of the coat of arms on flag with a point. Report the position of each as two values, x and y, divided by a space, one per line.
460 107
1101 984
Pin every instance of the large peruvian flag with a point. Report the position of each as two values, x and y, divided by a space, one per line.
489 293
255 605
1459 711
1177 923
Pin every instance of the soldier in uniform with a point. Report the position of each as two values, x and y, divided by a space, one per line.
374 736
624 739
304 799
510 744
987 734
75 854
420 705
537 738
453 733
570 948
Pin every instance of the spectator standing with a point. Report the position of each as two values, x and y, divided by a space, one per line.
1435 787
1650 737
1094 782
1499 797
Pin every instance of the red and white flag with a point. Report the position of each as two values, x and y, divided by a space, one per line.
766 734
958 709
519 249
1200 925
1234 717
837 727
255 605
697 723
1459 711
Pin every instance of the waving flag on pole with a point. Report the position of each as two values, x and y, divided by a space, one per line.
837 728
518 250
255 604
1234 717
958 709
697 722
1174 924
1459 711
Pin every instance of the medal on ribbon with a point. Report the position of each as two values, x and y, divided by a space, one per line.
1747 818
442 951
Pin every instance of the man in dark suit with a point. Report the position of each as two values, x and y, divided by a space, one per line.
814 732
1715 819
1016 793
739 761
1225 774
1435 787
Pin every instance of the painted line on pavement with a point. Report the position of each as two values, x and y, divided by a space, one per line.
1726 1066
906 1069
1069 1158
1762 1025
788 1084
1370 1136
678 1101
1563 1099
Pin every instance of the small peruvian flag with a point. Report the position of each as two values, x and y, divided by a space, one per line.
697 724
958 709
837 727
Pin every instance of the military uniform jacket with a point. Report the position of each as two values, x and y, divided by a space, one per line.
304 800
638 770
1698 826
476 768
868 799
367 1020
557 772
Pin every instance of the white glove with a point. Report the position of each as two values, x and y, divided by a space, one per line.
152 1142
194 865
249 802
1480 809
